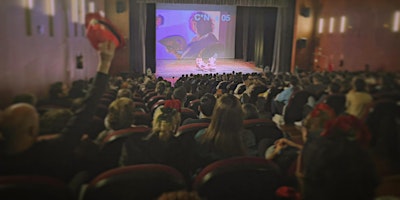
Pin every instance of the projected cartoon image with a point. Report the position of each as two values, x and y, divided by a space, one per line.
191 34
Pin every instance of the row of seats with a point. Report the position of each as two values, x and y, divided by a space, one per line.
233 178
265 131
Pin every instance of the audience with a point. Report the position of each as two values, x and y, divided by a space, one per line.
22 154
337 157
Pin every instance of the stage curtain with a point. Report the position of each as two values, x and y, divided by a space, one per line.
255 34
137 36
283 39
151 37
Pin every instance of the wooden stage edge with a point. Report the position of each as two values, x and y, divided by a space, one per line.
173 69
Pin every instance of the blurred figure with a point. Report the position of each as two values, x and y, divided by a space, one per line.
225 137
25 98
250 111
57 96
53 121
160 146
206 107
124 93
120 116
358 98
21 153
324 176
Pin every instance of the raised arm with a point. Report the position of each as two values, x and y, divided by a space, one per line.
80 122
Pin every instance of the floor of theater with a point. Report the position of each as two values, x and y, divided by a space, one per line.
171 70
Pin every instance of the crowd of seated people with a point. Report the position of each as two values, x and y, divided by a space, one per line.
348 147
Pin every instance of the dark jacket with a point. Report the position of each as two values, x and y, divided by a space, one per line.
57 157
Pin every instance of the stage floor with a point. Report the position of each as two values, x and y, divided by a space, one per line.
176 68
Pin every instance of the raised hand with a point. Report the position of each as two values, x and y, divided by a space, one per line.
106 55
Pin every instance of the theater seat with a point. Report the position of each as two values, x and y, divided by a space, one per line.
30 187
187 142
144 181
189 130
96 126
137 99
142 118
154 99
148 95
111 146
265 132
238 178
187 113
140 106
156 105
101 111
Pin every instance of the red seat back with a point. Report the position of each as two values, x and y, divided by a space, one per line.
238 178
187 113
144 181
110 151
265 132
29 187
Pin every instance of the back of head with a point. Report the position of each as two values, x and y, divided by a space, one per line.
359 84
77 89
250 111
180 94
149 84
294 81
166 121
160 87
316 120
384 123
55 89
121 113
337 169
226 125
345 139
54 120
334 87
19 126
124 93
207 103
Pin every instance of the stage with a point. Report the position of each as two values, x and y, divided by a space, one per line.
176 68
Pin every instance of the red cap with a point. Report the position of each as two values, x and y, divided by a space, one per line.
99 29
